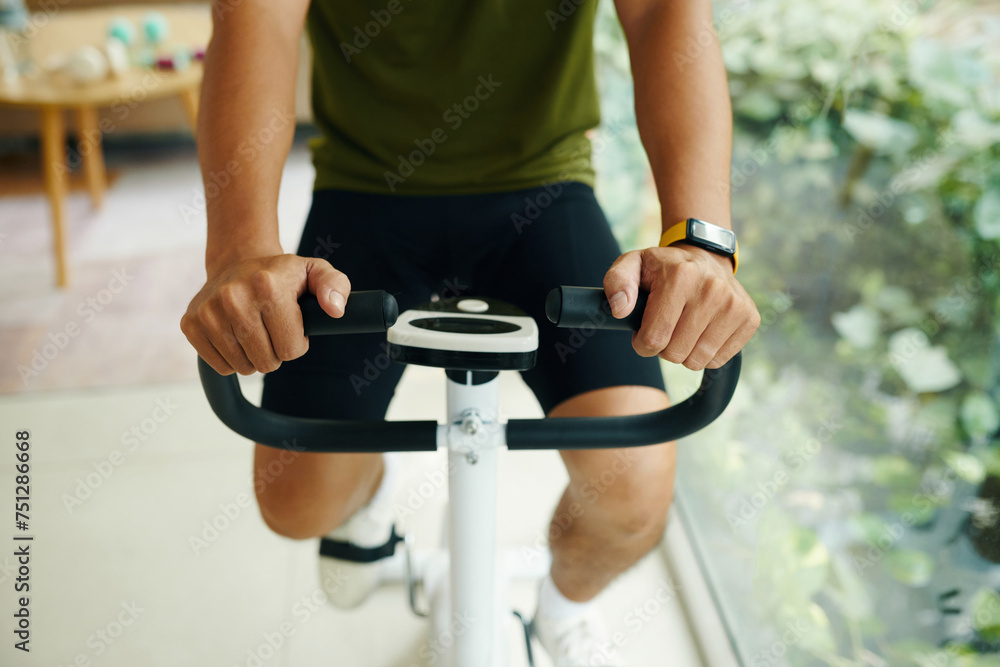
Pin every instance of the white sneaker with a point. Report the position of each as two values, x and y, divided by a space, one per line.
351 555
577 641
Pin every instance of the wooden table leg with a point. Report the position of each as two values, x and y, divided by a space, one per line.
54 165
89 138
190 100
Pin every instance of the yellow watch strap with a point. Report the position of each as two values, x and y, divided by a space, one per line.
678 233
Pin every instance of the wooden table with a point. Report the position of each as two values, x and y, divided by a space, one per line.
52 97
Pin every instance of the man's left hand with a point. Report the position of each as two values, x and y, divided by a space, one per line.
697 313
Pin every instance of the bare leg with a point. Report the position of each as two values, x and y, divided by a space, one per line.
614 509
303 495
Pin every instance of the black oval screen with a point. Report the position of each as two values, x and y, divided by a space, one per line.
465 325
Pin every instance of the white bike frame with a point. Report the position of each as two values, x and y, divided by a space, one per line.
467 585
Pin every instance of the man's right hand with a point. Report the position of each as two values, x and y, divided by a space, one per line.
246 318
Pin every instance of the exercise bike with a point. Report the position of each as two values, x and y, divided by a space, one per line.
473 339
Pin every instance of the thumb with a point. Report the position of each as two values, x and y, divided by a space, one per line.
330 286
621 283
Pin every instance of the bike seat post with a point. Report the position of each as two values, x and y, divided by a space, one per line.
473 402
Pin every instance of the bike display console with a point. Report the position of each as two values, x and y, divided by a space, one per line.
471 334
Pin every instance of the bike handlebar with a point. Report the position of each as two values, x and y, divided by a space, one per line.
376 311
371 311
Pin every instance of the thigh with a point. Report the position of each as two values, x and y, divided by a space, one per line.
568 243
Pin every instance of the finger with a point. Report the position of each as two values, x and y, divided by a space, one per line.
663 310
734 344
711 341
330 286
231 350
255 341
694 322
283 321
203 346
206 324
621 283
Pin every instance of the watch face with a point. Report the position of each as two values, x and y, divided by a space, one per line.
719 237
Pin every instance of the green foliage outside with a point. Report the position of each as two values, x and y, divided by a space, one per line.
844 506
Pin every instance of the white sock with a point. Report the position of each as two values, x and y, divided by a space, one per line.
388 484
553 604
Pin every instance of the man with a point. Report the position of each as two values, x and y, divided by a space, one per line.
453 160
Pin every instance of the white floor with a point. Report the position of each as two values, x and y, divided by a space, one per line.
128 543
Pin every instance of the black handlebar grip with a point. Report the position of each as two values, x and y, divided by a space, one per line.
366 312
575 307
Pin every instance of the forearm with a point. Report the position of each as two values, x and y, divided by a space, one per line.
682 106
245 126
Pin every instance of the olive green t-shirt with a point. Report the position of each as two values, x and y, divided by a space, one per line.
452 96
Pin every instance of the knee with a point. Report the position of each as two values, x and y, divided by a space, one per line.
304 495
640 513
284 521
287 504
644 523
286 513
634 496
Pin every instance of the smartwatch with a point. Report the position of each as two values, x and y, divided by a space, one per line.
705 235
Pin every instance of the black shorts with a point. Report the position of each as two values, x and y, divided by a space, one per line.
514 246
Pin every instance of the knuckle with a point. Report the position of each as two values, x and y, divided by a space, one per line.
229 298
674 356
222 368
269 366
240 329
267 307
683 274
289 350
203 317
263 281
700 357
653 339
692 364
244 367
